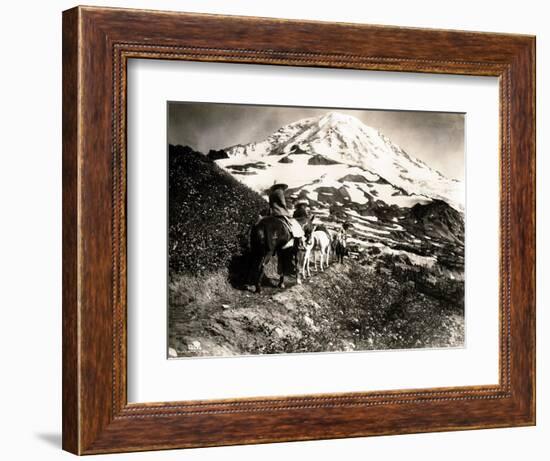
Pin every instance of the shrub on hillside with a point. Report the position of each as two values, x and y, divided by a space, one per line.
210 214
399 309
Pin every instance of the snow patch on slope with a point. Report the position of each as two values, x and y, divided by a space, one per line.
345 139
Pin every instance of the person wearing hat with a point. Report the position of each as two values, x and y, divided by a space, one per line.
343 230
301 210
278 207
277 201
340 241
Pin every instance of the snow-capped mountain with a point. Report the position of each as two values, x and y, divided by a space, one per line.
348 171
344 139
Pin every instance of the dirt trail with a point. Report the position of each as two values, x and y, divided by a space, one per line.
328 312
243 321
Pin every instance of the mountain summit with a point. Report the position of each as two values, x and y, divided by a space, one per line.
344 139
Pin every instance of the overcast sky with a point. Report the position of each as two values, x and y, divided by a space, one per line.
436 138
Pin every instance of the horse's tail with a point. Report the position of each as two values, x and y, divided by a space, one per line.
257 245
257 238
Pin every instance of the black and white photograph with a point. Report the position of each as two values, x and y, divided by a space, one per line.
303 230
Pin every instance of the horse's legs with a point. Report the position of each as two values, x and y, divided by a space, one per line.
254 268
299 258
305 264
259 275
281 268
314 260
264 260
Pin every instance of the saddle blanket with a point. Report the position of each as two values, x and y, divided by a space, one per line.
293 226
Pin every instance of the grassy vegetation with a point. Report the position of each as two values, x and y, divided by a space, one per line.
395 307
210 214
381 308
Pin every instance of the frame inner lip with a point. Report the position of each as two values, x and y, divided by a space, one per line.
126 50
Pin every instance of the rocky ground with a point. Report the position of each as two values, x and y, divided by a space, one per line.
349 307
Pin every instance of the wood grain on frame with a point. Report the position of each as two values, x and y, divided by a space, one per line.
97 42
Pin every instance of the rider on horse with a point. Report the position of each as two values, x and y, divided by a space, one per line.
277 234
277 200
278 208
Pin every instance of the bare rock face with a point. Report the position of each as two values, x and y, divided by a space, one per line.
217 154
353 178
286 159
321 160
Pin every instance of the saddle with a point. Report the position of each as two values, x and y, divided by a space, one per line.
293 226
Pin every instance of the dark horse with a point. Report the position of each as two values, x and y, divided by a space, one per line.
340 247
269 237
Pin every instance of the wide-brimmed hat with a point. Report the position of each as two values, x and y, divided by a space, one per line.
278 186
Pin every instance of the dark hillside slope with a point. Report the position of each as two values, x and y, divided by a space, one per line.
438 219
210 214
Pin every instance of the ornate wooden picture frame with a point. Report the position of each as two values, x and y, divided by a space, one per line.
97 44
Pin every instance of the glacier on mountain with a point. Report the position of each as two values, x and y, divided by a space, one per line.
358 149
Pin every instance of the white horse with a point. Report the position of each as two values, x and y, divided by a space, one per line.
321 245
307 243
